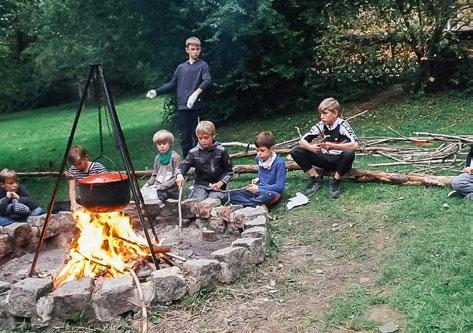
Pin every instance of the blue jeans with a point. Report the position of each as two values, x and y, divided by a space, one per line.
250 199
6 220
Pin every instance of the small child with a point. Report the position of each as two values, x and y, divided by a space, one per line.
267 189
334 152
463 183
213 168
163 181
81 167
16 203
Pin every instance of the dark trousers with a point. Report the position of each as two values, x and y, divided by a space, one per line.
250 199
187 122
306 160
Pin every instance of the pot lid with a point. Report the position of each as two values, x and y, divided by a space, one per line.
102 178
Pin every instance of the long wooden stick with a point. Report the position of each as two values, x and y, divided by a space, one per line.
144 312
179 205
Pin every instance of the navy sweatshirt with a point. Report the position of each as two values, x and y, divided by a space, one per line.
186 79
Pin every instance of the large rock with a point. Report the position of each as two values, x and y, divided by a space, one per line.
259 221
54 224
6 246
231 260
204 207
201 273
225 212
189 209
217 224
21 234
112 299
72 299
4 286
168 284
153 207
24 295
247 214
255 249
7 322
170 208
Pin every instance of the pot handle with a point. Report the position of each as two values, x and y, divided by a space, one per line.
108 159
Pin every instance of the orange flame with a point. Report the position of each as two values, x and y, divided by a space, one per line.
106 246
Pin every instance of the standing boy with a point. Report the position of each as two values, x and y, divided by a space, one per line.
267 189
334 150
213 168
190 79
16 203
163 179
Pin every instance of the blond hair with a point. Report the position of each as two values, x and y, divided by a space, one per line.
264 139
329 104
163 136
6 174
206 127
192 41
76 153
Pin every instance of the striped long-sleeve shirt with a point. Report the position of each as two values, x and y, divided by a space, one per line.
338 132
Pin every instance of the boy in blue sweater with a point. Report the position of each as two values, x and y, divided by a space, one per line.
267 189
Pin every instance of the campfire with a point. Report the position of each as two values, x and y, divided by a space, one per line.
106 247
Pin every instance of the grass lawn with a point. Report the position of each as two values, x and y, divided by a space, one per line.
384 245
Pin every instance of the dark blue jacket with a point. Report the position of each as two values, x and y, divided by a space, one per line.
186 79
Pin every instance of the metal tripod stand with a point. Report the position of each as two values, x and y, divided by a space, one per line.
96 77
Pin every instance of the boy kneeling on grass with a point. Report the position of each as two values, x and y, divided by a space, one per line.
213 168
162 184
267 189
335 152
16 203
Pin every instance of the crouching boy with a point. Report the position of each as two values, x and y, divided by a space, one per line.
463 183
333 150
162 183
16 203
213 168
267 189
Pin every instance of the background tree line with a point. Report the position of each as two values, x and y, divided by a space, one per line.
265 56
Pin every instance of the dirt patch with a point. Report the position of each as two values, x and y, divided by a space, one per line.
383 314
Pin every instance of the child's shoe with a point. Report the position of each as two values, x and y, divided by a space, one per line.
334 188
454 194
314 185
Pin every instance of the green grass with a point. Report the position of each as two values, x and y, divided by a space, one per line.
426 271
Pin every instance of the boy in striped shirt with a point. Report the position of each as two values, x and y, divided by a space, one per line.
334 149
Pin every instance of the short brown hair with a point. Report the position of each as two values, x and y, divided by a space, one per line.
163 136
192 41
6 174
329 104
206 127
264 139
76 153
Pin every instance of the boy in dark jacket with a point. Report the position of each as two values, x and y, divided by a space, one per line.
269 186
463 183
213 168
16 203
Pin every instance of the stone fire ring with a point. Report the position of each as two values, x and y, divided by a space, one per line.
34 300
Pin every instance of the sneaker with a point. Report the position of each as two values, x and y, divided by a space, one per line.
454 194
314 185
334 188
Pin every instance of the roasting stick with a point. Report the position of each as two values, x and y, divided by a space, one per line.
144 313
179 205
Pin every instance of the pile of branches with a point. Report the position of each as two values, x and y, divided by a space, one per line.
416 153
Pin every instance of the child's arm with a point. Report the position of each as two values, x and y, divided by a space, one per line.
25 198
304 142
175 161
3 204
72 194
227 172
152 179
183 168
339 146
165 87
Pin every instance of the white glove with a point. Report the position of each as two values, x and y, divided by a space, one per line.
151 94
191 100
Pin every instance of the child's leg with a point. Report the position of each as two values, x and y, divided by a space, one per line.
242 197
199 192
264 198
4 221
163 195
37 211
344 163
463 184
187 120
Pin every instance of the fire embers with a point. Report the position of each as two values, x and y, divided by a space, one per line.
107 246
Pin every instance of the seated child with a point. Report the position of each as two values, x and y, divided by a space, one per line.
334 152
16 203
163 181
213 168
463 183
81 167
268 187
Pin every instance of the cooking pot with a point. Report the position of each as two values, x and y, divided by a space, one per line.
104 192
